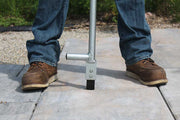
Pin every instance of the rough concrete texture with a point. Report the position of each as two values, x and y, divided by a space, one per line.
166 44
16 111
10 85
171 91
116 96
14 103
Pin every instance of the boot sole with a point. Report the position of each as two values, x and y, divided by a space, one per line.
153 83
38 86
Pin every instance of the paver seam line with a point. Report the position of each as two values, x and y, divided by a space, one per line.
36 105
20 70
171 111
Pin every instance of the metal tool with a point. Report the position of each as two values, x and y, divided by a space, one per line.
90 56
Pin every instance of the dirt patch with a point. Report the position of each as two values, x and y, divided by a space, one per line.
160 22
154 21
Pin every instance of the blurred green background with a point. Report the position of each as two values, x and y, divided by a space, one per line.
22 12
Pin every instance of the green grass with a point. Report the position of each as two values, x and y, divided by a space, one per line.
165 8
176 12
17 12
20 12
15 21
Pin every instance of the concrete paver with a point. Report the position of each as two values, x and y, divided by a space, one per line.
79 104
171 91
15 104
10 82
166 44
116 96
16 111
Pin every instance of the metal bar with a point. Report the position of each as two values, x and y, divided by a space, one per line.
91 63
90 56
84 57
92 31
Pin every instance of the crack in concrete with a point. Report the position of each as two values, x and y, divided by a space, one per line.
168 106
35 102
20 71
36 105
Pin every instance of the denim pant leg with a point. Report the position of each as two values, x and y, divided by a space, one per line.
47 28
134 32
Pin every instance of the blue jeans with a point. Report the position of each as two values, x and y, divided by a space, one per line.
134 32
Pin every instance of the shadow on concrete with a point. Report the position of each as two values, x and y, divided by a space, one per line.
63 84
15 73
118 74
12 70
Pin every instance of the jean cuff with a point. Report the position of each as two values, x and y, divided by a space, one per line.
131 62
42 60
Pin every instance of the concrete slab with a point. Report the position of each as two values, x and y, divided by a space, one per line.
16 111
116 97
171 91
15 104
79 104
166 53
10 85
166 47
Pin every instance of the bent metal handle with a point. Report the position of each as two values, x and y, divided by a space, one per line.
90 56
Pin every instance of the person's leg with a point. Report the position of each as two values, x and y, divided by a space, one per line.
44 50
134 32
135 43
47 28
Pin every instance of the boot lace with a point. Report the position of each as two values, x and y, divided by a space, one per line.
148 60
36 66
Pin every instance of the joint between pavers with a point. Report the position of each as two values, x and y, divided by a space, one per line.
167 104
20 70
36 105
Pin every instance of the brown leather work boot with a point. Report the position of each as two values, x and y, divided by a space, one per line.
39 75
147 72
